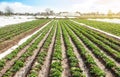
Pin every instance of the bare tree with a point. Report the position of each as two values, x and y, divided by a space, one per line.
1 13
8 11
49 11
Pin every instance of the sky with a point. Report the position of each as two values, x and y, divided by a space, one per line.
82 6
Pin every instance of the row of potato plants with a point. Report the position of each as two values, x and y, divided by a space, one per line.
9 32
56 66
39 61
113 53
16 51
111 40
111 43
29 52
94 70
72 59
108 27
97 52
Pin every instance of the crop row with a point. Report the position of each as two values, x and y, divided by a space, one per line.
110 42
94 70
13 54
9 32
96 51
113 53
56 66
34 72
108 27
73 61
29 52
43 54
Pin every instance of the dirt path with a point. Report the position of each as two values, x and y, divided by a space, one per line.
98 30
44 72
65 66
108 73
24 70
81 62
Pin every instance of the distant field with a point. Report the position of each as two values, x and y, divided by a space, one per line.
9 20
105 26
13 30
19 31
64 49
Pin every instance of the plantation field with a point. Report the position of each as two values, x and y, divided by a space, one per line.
112 28
10 34
64 49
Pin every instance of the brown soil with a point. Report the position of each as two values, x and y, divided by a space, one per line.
44 72
65 66
81 62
